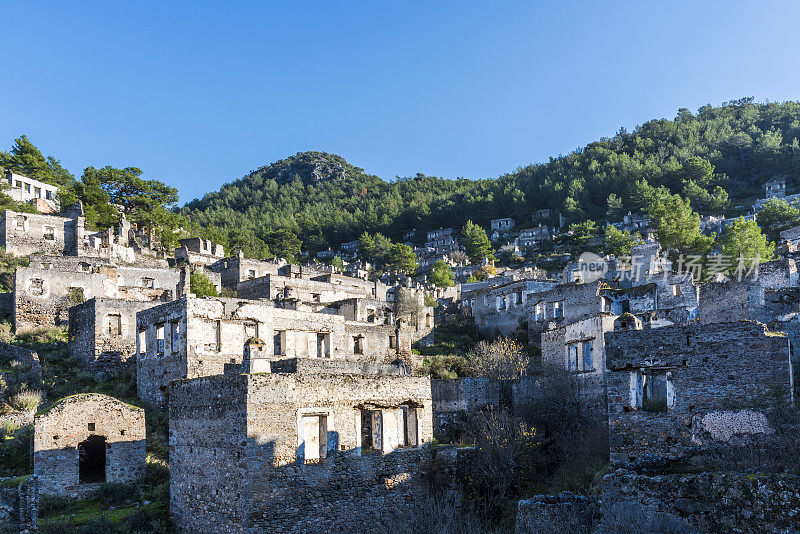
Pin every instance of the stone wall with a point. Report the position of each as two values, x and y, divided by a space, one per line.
705 502
456 397
46 289
23 234
669 504
59 431
702 369
102 332
248 430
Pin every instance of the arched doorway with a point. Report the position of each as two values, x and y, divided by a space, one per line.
92 460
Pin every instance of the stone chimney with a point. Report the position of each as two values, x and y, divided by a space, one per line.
256 359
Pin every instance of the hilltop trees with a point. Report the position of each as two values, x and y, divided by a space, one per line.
24 158
401 258
619 242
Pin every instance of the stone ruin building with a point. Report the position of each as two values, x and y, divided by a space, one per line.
46 289
102 332
671 390
85 440
42 196
295 452
194 337
23 234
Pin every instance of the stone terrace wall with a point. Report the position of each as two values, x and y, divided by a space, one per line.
59 430
712 368
705 502
557 514
669 504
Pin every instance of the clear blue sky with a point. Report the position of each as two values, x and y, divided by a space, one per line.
198 93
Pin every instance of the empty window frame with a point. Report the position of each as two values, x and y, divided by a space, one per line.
49 233
358 344
160 338
588 354
148 283
37 286
653 390
174 336
572 357
676 290
142 341
250 330
114 322
279 342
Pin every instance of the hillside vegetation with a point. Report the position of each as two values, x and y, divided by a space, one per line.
718 158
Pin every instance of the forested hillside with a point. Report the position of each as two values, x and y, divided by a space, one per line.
717 158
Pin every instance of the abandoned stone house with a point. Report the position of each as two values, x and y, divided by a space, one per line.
442 240
102 332
504 225
318 291
42 196
23 234
46 289
238 269
85 440
503 309
194 337
197 251
671 390
296 452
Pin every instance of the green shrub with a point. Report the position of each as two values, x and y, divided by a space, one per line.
43 335
114 493
201 285
448 366
98 525
56 505
27 400
57 526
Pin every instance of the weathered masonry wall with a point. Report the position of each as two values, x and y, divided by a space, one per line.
254 431
456 397
99 425
695 372
578 347
675 503
23 234
195 337
44 291
102 332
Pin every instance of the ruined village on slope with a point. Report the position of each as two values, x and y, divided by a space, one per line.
299 405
